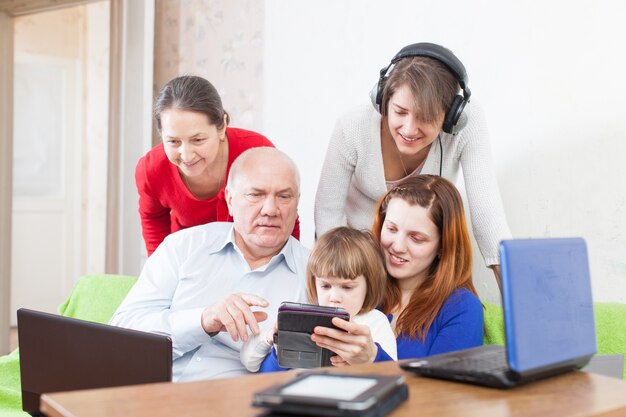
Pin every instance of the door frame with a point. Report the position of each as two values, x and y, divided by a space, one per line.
6 174
131 21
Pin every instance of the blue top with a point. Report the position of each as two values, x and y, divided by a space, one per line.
270 363
459 325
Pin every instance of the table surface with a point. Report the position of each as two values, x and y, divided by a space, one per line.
573 394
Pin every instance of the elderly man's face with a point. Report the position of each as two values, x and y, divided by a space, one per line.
263 202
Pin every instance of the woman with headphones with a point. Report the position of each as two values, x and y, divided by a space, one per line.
419 124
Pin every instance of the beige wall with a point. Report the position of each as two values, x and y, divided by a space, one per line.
56 33
220 40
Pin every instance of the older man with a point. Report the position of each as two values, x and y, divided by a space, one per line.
201 284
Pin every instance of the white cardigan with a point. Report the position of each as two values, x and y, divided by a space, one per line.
353 177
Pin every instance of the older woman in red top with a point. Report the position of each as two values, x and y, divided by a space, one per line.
181 181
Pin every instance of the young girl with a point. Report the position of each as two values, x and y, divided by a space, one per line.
345 269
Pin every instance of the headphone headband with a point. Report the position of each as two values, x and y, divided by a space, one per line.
438 52
447 58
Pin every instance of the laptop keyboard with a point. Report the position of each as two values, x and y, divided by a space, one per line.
485 361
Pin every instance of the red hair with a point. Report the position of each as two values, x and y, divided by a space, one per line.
451 270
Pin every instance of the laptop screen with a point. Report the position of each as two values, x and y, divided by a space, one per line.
64 354
547 301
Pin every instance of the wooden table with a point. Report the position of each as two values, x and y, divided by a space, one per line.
574 394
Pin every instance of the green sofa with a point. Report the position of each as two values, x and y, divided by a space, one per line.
95 298
610 327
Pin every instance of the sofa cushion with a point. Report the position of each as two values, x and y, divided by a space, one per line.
94 298
610 320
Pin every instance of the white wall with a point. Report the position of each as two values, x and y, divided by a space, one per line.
135 127
96 85
549 75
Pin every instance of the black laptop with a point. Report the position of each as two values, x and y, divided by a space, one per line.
63 354
548 319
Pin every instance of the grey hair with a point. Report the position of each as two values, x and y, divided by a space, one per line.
269 155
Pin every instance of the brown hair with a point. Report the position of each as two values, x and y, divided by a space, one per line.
193 93
344 252
431 82
451 270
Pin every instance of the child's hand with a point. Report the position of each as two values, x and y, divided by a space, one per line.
353 345
338 361
269 333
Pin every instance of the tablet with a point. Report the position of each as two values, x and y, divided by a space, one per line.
296 321
331 394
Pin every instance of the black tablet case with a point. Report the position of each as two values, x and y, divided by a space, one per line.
295 325
382 403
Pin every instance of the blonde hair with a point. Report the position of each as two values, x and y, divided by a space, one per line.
348 253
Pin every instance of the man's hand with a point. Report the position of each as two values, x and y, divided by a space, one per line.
354 347
233 314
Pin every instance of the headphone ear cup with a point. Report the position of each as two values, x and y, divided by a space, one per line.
378 99
454 114
374 97
376 94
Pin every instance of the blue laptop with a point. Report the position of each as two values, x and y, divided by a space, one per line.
548 319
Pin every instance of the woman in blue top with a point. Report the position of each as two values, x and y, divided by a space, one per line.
431 301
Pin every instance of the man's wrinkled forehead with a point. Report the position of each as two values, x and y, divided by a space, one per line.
249 182
266 176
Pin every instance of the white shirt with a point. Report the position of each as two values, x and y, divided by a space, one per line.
195 268
353 176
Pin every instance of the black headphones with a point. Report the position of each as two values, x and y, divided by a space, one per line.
446 57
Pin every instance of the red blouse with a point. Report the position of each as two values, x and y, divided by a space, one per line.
165 203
